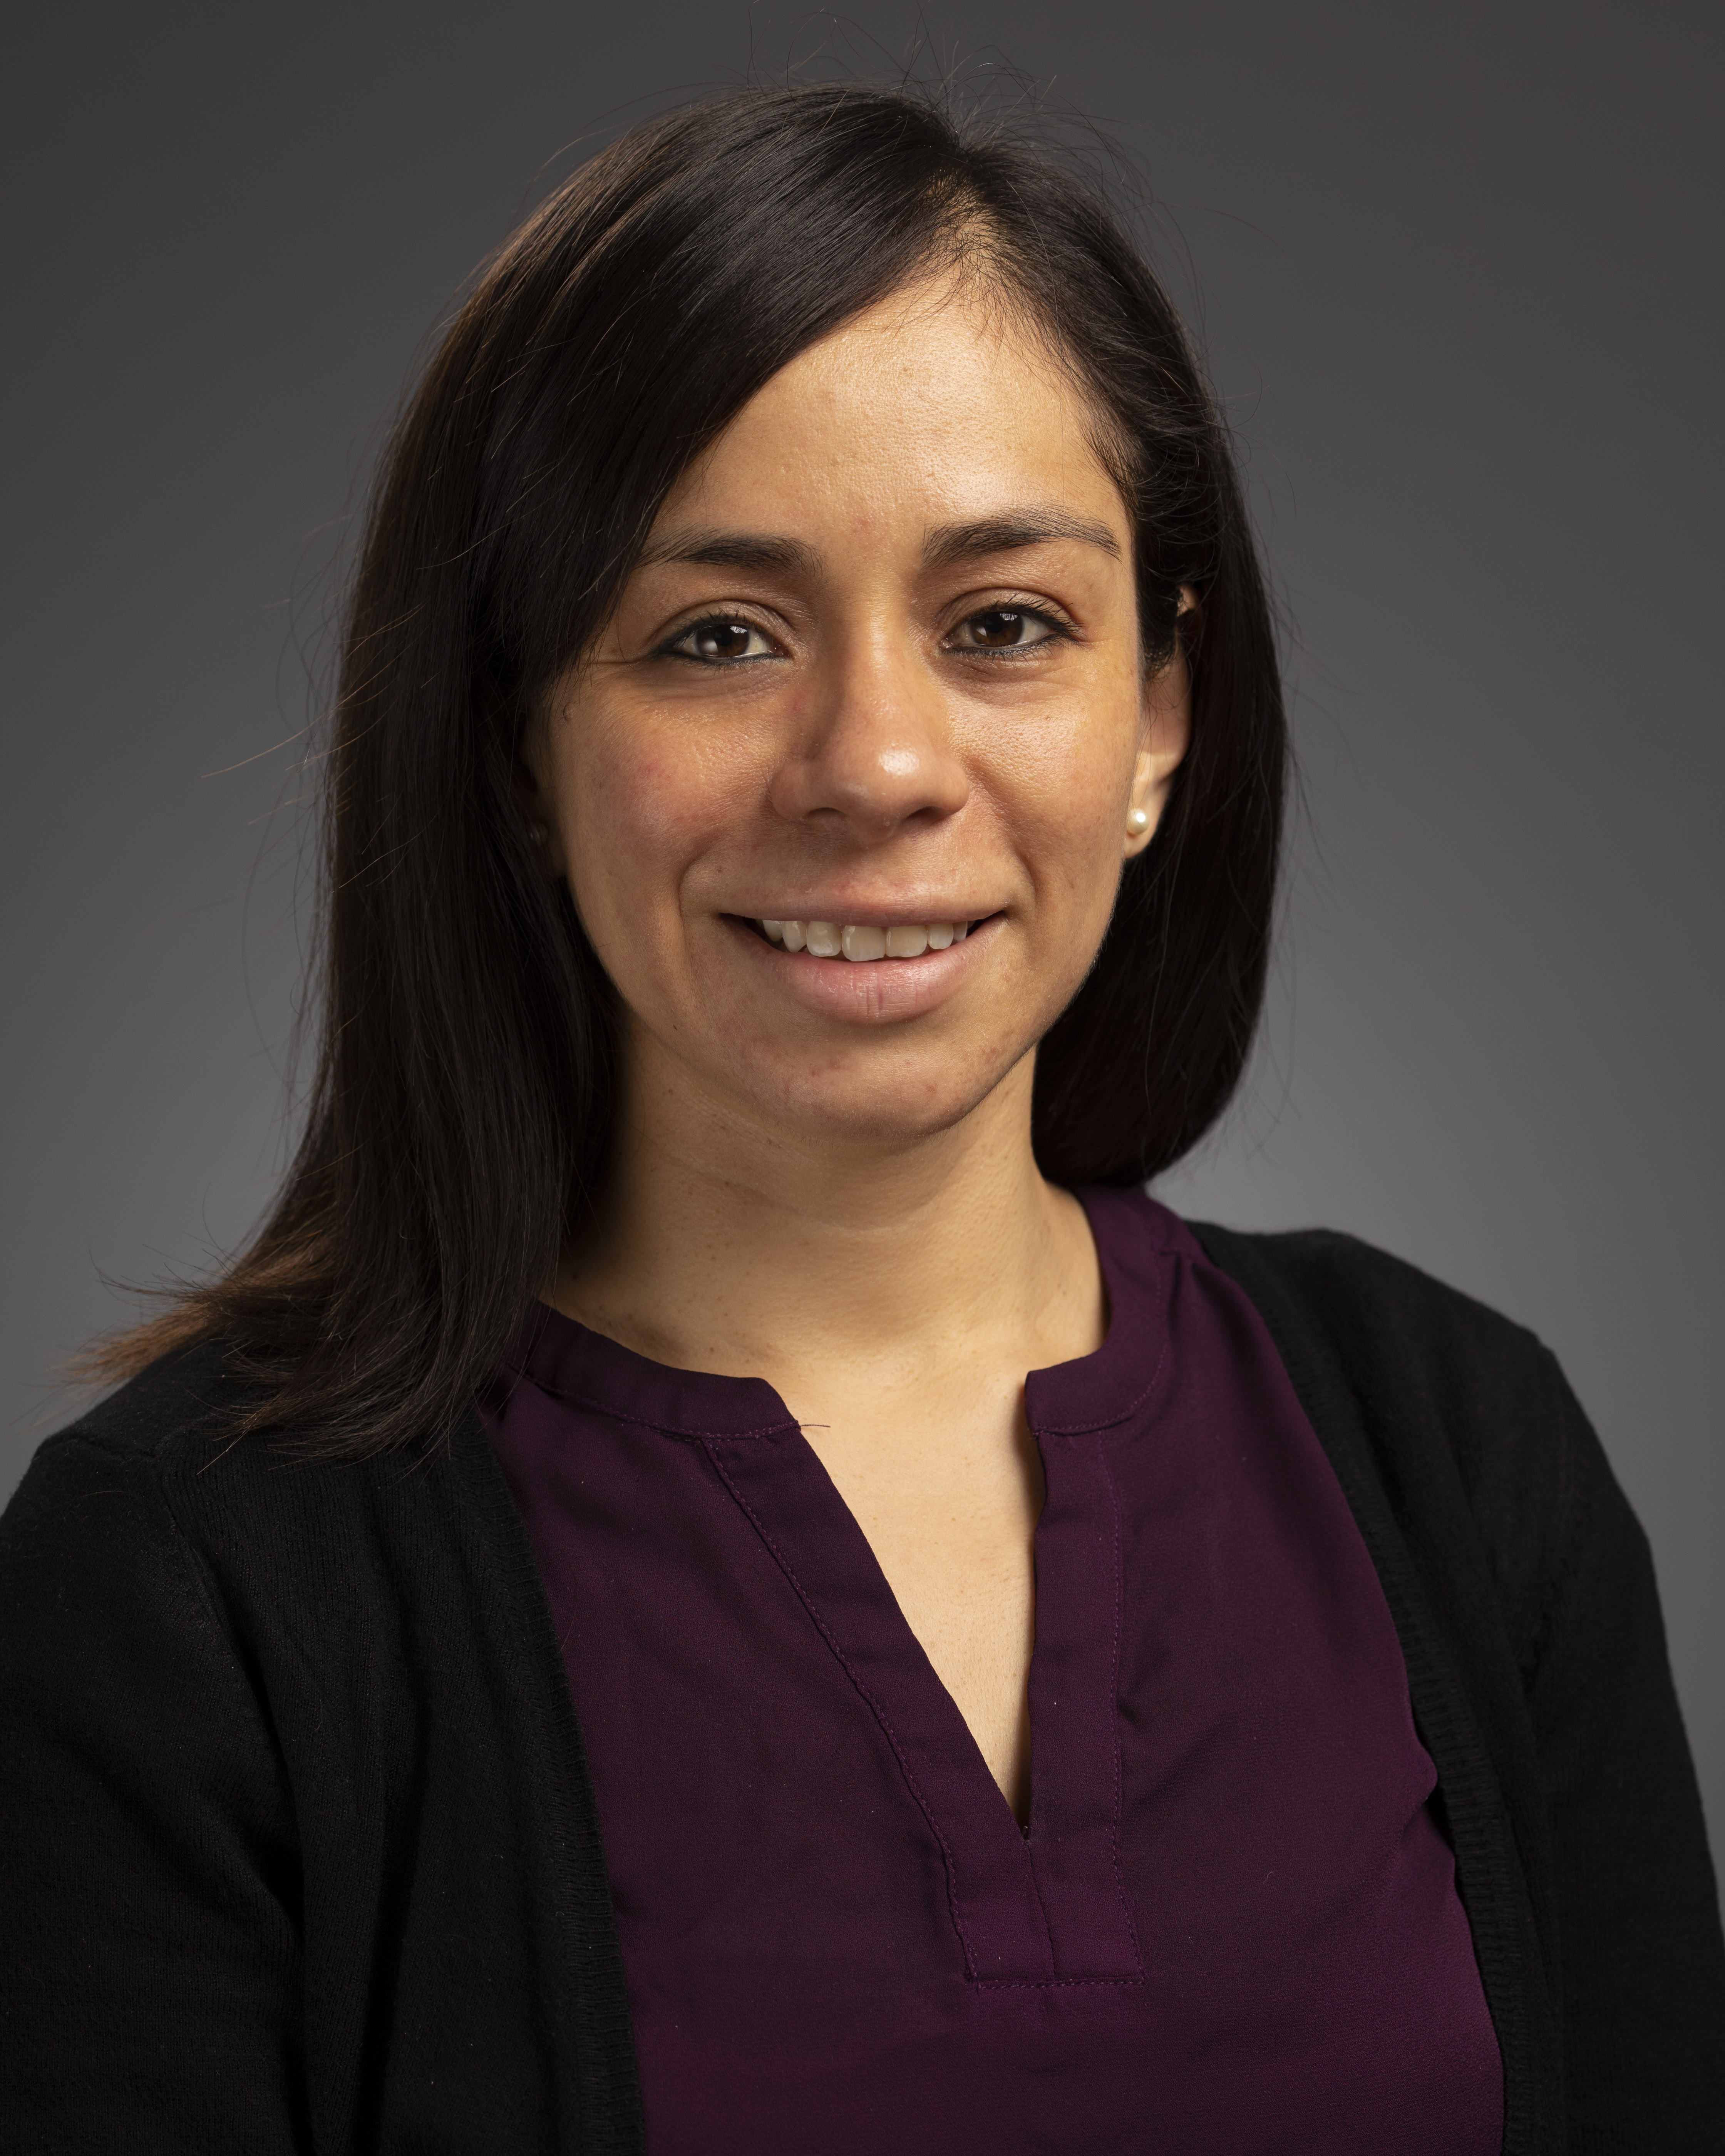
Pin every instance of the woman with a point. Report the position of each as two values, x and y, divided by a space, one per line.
587 1637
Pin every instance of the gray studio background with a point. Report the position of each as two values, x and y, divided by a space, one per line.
1456 273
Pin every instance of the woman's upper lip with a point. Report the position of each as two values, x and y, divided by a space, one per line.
872 916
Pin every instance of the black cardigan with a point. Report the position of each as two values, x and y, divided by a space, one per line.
300 1851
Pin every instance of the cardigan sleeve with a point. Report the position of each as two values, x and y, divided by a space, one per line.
149 1988
1643 1968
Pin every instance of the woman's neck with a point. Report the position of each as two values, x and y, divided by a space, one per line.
726 1246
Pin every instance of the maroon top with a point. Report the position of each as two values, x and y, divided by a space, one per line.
1232 1925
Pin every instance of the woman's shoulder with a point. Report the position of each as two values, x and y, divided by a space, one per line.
163 1463
245 1559
1374 1307
166 1470
1451 1405
173 1412
103 1481
1358 1325
117 1646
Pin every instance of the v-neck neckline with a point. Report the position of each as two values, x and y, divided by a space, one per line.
1043 1905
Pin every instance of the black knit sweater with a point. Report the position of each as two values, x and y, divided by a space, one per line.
300 1851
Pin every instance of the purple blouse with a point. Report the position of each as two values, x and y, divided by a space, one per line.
1232 1926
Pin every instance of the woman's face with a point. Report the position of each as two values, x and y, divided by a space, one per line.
877 677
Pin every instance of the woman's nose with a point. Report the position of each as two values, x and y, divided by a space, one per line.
874 750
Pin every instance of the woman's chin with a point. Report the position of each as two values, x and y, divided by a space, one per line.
864 1103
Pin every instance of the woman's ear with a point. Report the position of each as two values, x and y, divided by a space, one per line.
1165 733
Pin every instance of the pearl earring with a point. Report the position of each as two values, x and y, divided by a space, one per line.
1139 820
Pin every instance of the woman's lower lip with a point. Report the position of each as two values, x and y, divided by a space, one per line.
875 991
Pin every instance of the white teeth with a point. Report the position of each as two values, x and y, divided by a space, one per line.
857 941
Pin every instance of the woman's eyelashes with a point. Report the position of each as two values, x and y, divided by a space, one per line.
1004 631
720 640
994 632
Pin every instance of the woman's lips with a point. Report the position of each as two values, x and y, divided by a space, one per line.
863 990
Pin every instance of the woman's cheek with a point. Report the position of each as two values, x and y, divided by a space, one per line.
1073 817
641 808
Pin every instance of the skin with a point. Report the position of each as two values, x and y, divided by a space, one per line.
822 1175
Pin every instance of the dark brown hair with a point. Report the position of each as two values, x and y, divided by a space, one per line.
459 1117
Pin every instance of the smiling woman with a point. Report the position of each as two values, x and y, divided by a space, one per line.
877 676
718 1576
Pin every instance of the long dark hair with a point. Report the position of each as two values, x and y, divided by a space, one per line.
460 1113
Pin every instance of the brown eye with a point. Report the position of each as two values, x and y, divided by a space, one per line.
1004 629
717 643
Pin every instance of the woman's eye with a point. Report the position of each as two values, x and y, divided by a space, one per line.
718 643
1004 629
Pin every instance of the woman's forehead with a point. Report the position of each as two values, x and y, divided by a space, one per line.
940 415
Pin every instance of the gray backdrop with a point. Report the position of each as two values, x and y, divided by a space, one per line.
1456 271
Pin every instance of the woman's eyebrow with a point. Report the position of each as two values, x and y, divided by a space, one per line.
715 549
948 543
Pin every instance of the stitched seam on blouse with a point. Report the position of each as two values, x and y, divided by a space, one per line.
790 1422
875 1707
1036 1895
1051 1982
1114 1702
609 1408
1132 1407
